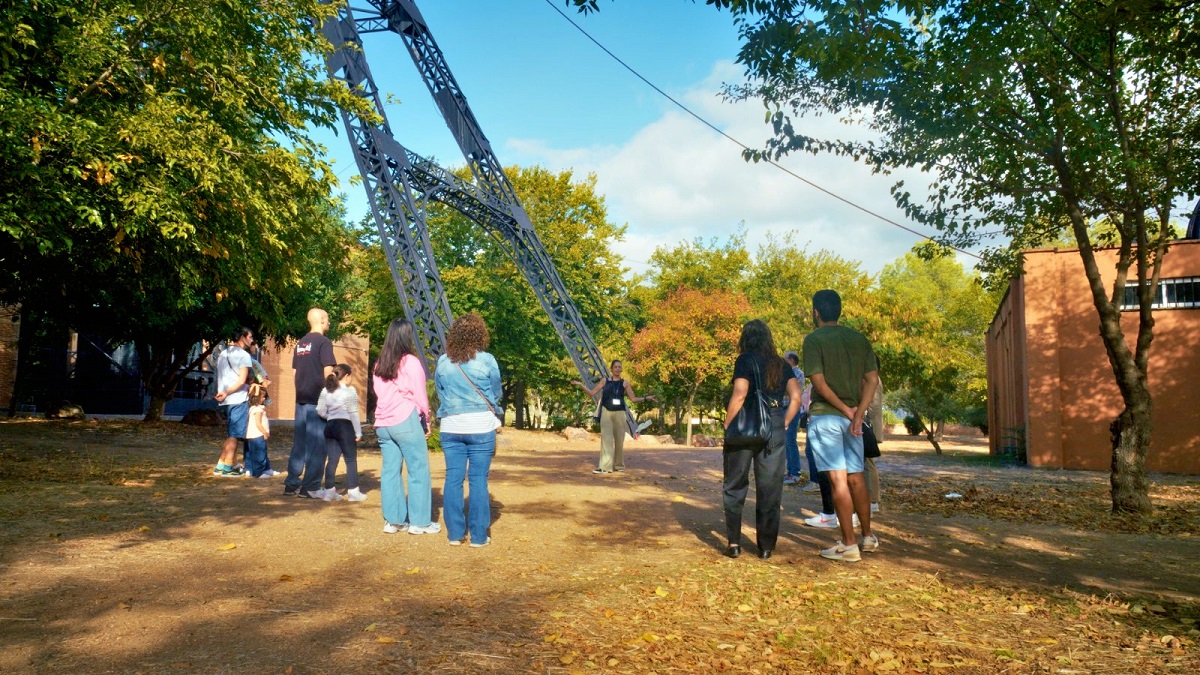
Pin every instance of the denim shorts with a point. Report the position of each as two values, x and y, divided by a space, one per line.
237 419
834 448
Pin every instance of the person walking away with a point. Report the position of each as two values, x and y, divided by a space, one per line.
313 361
233 373
469 389
258 432
758 368
402 424
613 391
844 373
338 406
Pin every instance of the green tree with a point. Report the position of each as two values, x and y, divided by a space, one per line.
1032 117
783 278
935 317
689 343
700 265
160 186
573 225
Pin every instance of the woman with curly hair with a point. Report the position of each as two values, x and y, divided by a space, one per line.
468 386
758 368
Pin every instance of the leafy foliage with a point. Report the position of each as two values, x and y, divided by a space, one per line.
161 187
688 346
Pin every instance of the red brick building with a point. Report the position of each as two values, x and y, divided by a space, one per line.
1050 387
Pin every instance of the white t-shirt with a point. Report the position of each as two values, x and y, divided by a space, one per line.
231 361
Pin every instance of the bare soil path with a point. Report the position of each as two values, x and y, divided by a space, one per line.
119 552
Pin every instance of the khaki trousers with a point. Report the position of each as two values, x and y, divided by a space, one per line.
612 440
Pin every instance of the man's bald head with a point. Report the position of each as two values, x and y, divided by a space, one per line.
318 320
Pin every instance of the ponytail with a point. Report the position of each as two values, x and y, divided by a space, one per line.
333 379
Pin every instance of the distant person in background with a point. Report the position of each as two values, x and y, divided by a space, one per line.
791 448
873 433
258 374
233 375
313 361
338 406
402 424
612 390
469 389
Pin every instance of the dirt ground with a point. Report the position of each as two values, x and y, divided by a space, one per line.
119 552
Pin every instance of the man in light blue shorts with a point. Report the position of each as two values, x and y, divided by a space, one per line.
842 367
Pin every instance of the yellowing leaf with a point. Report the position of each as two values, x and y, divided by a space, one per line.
550 638
661 592
650 637
566 659
144 528
370 628
414 570
744 607
678 498
227 547
386 640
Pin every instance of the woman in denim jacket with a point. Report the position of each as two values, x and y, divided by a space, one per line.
468 386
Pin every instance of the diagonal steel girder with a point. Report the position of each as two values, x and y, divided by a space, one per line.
400 183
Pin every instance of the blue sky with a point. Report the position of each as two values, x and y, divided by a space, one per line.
545 95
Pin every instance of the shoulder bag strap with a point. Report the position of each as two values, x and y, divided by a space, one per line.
485 399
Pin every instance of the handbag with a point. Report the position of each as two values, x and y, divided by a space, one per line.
751 426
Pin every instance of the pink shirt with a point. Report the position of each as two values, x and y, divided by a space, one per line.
397 399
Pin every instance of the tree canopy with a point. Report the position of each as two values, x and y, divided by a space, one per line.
157 176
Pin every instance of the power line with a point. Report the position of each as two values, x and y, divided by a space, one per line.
743 146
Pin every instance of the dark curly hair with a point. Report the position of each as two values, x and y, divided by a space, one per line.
468 334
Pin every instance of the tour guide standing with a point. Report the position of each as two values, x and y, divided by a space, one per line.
844 374
313 361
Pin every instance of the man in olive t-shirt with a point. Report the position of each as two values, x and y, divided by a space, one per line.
843 370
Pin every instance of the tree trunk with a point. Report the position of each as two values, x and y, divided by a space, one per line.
518 402
688 438
930 436
155 412
1130 439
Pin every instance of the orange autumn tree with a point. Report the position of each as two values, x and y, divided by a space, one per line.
689 344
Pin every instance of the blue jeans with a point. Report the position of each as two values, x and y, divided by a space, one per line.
255 456
792 450
469 457
308 449
401 444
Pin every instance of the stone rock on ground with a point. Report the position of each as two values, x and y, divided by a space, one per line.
576 434
702 441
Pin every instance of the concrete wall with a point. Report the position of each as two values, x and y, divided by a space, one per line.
349 349
1048 371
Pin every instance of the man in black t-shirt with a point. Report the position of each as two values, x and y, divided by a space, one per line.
313 361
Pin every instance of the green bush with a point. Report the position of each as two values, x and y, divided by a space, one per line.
913 425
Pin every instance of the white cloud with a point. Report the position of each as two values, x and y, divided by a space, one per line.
676 179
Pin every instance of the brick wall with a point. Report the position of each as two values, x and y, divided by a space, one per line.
351 350
9 331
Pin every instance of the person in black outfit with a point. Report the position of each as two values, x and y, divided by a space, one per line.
758 366
313 361
613 391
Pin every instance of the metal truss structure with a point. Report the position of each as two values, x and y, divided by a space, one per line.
400 183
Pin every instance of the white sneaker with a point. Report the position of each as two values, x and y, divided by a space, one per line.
842 552
269 473
331 495
874 507
829 520
811 486
485 543
355 495
393 529
869 544
432 528
854 520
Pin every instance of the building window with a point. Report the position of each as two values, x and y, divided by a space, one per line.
1182 293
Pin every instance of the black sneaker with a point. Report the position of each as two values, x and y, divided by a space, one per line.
305 494
290 490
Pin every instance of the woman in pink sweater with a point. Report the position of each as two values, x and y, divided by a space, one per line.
401 423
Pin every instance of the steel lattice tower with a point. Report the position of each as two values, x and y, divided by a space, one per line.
400 183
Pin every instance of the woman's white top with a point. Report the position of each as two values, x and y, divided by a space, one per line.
340 404
470 423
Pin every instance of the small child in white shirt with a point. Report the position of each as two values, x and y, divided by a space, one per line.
338 404
258 431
